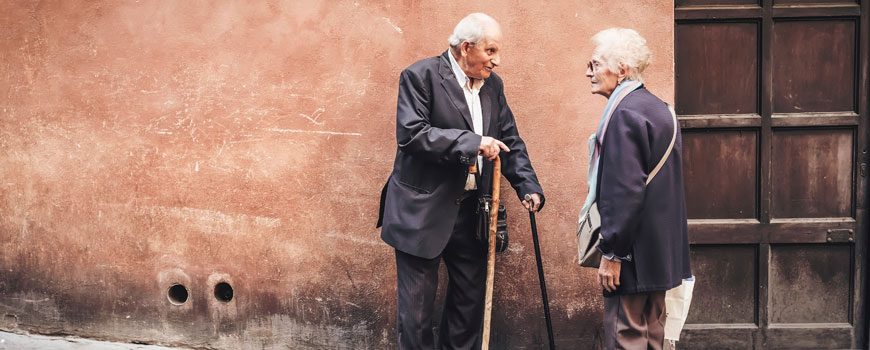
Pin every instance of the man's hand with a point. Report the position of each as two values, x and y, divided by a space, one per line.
608 274
489 147
532 202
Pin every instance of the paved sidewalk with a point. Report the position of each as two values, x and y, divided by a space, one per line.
13 341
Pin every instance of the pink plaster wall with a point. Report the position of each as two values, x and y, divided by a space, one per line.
146 143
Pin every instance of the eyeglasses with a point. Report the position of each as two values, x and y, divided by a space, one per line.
594 66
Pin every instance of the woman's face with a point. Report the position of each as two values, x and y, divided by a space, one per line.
603 80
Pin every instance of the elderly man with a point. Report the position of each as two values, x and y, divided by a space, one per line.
636 178
451 114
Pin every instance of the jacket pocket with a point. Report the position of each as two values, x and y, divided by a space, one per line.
420 176
415 188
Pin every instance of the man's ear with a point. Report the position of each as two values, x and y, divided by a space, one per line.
463 49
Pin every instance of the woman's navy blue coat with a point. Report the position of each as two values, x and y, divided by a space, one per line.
644 222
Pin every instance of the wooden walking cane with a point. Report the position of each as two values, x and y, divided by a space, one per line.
490 261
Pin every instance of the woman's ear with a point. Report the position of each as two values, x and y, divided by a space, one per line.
623 72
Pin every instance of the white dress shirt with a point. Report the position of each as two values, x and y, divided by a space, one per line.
472 98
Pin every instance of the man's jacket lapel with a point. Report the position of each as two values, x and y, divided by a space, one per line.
485 110
451 85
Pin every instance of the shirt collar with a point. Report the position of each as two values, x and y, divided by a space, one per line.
461 78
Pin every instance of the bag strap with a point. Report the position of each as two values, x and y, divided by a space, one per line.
658 167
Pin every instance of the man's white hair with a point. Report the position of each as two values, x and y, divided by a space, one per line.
621 47
472 29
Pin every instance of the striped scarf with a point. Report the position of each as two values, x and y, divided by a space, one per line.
597 139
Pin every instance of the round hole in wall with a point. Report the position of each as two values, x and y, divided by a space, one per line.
223 292
178 294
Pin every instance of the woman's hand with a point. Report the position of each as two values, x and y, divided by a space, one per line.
608 274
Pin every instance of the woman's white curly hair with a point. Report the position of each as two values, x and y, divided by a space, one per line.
621 47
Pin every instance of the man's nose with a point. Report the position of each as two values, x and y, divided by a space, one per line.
589 72
496 60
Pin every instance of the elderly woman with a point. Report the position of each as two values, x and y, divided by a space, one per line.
636 181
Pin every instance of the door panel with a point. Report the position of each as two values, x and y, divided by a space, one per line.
729 298
809 283
726 56
684 3
815 66
813 173
806 337
721 173
696 337
812 2
775 153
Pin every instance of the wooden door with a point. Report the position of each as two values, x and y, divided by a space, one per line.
772 99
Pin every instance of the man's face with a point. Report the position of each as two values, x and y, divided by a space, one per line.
481 58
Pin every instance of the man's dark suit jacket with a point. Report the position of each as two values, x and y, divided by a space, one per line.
436 145
646 221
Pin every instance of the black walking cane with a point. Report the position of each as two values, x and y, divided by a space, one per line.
541 273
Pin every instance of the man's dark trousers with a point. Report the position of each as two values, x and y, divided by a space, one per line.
417 278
